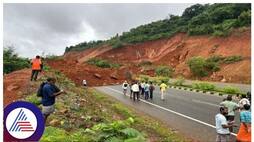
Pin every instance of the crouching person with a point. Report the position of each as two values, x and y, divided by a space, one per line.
49 92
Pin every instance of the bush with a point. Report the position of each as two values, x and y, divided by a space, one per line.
145 63
179 82
164 71
212 66
232 59
197 66
204 86
34 99
102 63
230 90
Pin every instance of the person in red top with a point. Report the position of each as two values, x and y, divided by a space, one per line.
36 67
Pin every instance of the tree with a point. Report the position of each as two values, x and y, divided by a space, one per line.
12 62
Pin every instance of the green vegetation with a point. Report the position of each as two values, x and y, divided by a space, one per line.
164 71
232 59
102 63
230 90
217 19
200 66
197 66
203 86
12 62
179 82
145 63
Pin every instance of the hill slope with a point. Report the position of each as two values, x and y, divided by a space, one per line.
174 52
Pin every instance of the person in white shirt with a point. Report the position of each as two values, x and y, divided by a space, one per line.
125 87
135 91
243 101
222 126
84 83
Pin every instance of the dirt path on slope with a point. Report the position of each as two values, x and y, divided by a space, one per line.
16 84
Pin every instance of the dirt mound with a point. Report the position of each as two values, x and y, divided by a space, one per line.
15 84
174 52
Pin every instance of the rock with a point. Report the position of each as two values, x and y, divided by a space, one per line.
63 111
113 77
223 80
12 87
54 122
97 76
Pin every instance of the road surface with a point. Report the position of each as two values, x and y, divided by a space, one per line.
190 113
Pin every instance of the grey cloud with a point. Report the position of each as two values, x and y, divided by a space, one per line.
49 28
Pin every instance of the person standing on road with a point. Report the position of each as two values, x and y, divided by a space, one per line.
36 67
131 92
163 88
135 89
146 90
142 88
49 93
125 87
244 133
222 126
151 89
232 107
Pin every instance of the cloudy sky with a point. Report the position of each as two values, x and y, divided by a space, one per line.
36 28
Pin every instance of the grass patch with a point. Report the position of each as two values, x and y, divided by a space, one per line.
102 63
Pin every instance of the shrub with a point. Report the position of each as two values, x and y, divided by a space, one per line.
232 59
230 90
179 82
204 86
33 99
164 71
212 66
102 63
197 66
145 63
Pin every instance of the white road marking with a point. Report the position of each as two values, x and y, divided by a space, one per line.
177 113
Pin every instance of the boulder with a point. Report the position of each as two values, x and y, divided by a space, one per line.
97 75
12 87
113 76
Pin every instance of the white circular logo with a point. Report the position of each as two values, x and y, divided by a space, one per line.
21 123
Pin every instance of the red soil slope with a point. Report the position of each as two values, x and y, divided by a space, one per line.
174 51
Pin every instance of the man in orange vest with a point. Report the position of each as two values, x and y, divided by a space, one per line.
36 67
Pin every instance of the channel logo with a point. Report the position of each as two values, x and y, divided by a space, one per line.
23 122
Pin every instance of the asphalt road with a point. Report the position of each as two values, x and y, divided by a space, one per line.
190 113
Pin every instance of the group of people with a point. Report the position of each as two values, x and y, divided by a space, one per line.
225 120
144 89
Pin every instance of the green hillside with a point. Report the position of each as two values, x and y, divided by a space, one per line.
214 19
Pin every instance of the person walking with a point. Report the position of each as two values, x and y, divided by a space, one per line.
244 133
135 89
146 90
163 88
151 89
142 88
49 93
222 126
232 107
36 67
125 87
